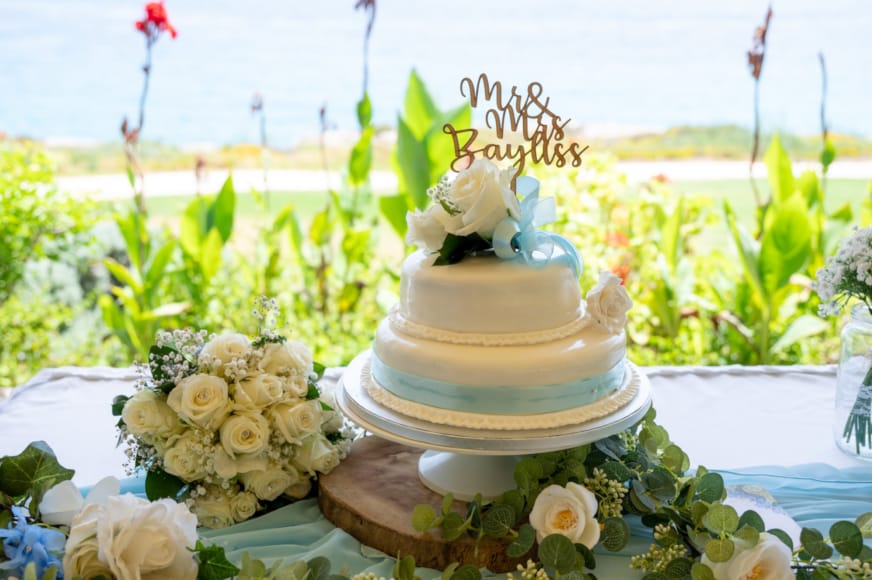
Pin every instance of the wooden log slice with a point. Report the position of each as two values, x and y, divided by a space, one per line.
371 496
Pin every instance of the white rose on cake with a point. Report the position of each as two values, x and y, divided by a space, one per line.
568 511
222 350
483 195
608 303
130 537
427 229
770 558
201 399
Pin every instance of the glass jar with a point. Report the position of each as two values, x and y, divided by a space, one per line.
852 427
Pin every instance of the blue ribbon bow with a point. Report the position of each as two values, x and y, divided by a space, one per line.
520 239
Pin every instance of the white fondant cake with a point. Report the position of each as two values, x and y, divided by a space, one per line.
505 339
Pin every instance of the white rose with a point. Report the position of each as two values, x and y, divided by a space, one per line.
291 358
297 386
243 505
296 420
201 399
64 501
267 484
484 196
258 392
146 414
222 350
227 467
568 511
769 559
186 458
246 434
300 489
316 454
608 303
426 229
213 509
134 539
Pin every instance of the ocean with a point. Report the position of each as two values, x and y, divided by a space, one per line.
70 70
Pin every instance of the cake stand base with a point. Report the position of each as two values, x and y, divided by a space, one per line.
467 475
371 495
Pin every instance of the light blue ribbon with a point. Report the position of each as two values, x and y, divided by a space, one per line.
520 239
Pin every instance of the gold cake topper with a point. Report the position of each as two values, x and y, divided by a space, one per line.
525 114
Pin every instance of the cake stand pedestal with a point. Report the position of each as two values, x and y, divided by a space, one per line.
465 461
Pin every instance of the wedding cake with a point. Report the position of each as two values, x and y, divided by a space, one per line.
491 330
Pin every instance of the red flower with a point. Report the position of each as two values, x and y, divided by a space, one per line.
617 240
622 271
155 21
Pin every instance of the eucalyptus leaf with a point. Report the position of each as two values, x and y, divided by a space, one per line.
710 488
813 542
615 534
752 519
864 522
721 519
783 536
747 536
678 568
588 560
616 471
700 571
423 517
719 550
453 526
846 538
660 485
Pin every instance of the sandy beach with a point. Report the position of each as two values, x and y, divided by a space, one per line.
169 183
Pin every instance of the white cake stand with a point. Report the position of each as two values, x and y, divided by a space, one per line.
466 461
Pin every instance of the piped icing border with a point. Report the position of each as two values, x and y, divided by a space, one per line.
601 408
402 324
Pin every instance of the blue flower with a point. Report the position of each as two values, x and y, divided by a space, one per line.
24 543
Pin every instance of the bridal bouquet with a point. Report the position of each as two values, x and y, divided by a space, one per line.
229 424
847 276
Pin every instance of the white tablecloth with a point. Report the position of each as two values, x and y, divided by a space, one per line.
723 417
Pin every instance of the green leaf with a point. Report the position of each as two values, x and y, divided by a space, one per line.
439 146
813 542
319 568
159 263
828 154
355 244
364 111
527 473
678 568
675 459
786 244
419 111
423 517
864 522
210 256
405 568
455 248
160 484
212 563
394 209
719 550
721 518
447 502
32 472
616 471
498 521
710 488
783 536
525 540
749 252
752 519
466 572
801 328
585 557
615 534
846 538
123 274
780 171
453 526
194 226
222 210
321 228
660 485
747 536
360 161
413 167
557 552
700 571
118 404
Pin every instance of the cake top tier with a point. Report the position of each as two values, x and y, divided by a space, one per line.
480 212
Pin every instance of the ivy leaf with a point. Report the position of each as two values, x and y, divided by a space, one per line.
557 552
498 521
160 484
526 539
213 563
32 472
813 542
